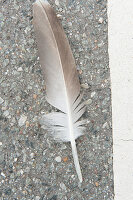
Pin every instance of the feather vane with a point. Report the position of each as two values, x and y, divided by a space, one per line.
62 83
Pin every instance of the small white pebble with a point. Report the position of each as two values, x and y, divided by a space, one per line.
62 185
84 35
88 102
4 108
59 16
20 69
84 85
2 174
44 152
12 124
0 143
63 146
105 125
24 158
22 120
37 197
13 120
58 159
69 23
35 119
93 94
104 111
29 87
6 72
6 113
1 100
100 44
21 172
18 98
32 155
9 116
15 159
100 20
73 176
57 2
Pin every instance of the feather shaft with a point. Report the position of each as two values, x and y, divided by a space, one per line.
73 145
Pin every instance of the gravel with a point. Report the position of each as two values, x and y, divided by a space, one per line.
29 168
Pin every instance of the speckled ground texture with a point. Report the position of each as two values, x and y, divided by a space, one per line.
32 165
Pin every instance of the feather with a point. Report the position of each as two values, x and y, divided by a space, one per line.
62 83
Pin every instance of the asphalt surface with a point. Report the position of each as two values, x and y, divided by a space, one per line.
32 165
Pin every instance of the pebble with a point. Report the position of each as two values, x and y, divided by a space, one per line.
100 44
6 62
105 125
20 69
62 185
57 2
84 35
35 118
28 181
20 172
34 96
65 159
4 108
32 155
59 16
13 120
18 98
8 191
6 113
97 184
93 94
15 159
37 197
0 143
24 157
22 120
100 20
63 146
84 85
88 102
2 174
104 111
27 124
80 71
1 100
58 159
69 24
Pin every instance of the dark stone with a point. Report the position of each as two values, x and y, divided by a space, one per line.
6 129
10 169
3 118
4 1
54 197
99 177
24 95
29 144
8 191
30 18
45 184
